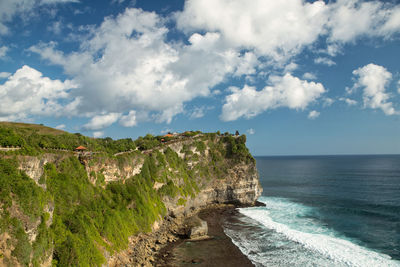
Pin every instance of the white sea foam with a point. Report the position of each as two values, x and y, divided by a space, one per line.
287 218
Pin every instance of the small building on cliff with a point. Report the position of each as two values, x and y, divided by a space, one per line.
80 149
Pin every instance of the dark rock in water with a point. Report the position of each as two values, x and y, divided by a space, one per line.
259 204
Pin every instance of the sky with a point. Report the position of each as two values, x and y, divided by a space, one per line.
297 77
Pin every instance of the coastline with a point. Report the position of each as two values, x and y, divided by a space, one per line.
216 250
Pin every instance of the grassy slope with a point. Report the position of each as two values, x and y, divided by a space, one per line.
40 129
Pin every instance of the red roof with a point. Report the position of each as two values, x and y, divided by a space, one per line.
168 135
80 148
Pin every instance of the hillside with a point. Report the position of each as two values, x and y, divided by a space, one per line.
64 208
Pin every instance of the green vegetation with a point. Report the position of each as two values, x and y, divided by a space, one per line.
9 138
35 139
85 216
181 202
20 195
237 149
76 217
147 142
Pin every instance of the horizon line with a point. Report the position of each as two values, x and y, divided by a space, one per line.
328 155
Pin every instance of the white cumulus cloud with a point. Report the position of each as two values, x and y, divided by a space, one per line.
348 101
324 61
313 115
327 102
4 75
309 76
129 120
58 1
351 19
127 64
273 28
10 8
283 91
374 80
98 134
27 93
61 126
282 29
99 122
3 51
198 112
290 67
398 87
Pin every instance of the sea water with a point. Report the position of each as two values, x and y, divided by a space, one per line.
323 211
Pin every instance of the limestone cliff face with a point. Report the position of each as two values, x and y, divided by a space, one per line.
33 166
238 184
241 187
186 173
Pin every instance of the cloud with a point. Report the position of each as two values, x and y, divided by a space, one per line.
348 101
55 27
27 93
374 80
313 115
392 24
44 2
251 131
282 29
398 87
277 29
129 64
126 64
133 2
4 75
3 51
101 121
10 8
98 134
290 67
324 61
352 19
283 91
61 126
129 120
198 112
309 76
327 102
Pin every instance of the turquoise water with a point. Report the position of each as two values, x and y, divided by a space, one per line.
323 211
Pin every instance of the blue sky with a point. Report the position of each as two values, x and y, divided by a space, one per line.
298 77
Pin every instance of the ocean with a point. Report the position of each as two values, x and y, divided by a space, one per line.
323 211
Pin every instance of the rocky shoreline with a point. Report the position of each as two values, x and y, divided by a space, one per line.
215 250
170 245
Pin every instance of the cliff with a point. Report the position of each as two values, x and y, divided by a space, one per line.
115 203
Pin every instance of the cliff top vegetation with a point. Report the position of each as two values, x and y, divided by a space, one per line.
34 139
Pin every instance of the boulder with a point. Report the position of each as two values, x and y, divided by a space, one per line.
196 228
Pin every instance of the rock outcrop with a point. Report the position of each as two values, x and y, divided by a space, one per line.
196 228
176 180
239 186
